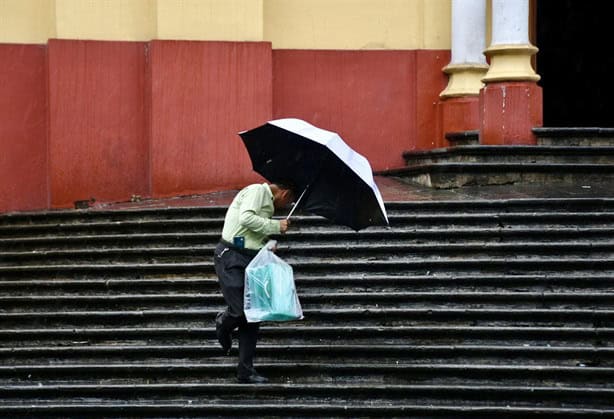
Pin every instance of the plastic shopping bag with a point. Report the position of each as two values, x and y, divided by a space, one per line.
270 293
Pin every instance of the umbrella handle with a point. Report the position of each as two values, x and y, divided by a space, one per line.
297 202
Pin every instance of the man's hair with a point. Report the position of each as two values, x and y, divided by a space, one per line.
288 185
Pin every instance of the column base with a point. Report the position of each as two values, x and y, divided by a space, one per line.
510 63
464 80
458 114
509 111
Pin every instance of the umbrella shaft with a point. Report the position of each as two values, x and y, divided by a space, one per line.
297 202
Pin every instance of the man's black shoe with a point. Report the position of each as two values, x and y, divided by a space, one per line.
223 337
255 378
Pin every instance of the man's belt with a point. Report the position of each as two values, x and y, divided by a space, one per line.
243 251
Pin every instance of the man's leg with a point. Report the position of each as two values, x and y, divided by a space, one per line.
223 331
230 269
248 336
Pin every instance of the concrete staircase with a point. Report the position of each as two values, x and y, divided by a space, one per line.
581 156
476 308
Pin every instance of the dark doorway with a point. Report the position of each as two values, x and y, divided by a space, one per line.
575 62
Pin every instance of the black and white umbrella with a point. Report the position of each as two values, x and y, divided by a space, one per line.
336 181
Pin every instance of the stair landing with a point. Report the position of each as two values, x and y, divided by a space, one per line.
396 190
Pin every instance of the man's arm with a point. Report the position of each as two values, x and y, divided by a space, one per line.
249 218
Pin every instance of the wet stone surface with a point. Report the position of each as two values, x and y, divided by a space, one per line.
395 190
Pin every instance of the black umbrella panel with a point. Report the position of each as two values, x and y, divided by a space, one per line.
338 181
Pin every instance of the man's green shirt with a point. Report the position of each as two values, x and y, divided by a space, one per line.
249 215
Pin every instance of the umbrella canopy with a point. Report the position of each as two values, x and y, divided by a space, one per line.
338 182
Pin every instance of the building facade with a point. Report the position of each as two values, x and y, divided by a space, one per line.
107 99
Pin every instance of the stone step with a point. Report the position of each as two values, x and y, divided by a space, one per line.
214 225
460 138
409 235
310 372
548 136
387 299
454 175
342 352
568 136
338 283
383 396
251 408
291 333
304 266
562 156
146 215
435 267
348 249
334 391
92 215
398 211
529 155
191 317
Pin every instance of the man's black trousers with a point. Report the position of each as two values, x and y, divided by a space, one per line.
230 267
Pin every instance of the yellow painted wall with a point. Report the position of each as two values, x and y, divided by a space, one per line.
358 24
113 20
437 21
228 20
27 21
294 24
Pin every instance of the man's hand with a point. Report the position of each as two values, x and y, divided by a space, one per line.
283 225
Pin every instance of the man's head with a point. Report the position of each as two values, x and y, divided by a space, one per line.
283 194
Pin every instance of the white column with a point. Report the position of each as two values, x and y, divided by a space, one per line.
468 63
510 22
510 50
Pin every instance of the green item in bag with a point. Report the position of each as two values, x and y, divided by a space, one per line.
270 292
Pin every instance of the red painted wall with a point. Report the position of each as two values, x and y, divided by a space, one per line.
108 120
98 147
23 128
381 102
431 81
203 94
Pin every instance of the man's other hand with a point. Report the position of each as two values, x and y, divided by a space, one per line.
283 225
